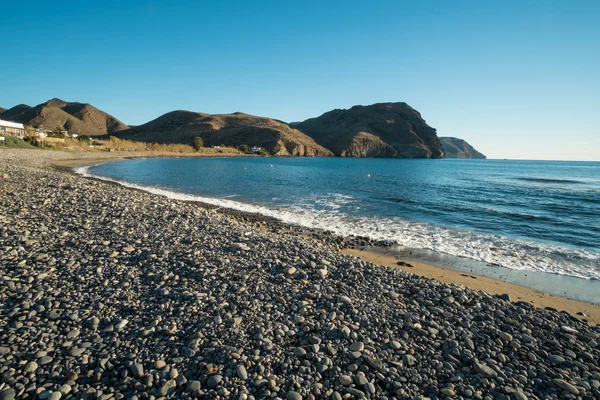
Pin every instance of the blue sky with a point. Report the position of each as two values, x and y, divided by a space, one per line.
517 79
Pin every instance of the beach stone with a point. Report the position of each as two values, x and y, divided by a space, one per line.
345 380
299 352
556 359
241 372
360 379
375 363
484 370
242 246
167 387
519 395
357 346
65 389
44 360
409 360
121 324
291 395
561 383
55 396
214 381
8 394
30 366
137 369
193 386
77 351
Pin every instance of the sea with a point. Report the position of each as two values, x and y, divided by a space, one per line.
535 223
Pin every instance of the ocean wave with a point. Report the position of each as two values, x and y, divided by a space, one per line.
548 180
493 249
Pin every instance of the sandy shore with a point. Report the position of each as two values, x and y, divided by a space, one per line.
108 292
73 159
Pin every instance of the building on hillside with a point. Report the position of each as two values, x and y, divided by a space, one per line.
12 128
256 149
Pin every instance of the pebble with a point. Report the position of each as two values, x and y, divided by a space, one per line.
291 395
241 372
214 381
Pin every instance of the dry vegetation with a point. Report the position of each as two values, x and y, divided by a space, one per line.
116 144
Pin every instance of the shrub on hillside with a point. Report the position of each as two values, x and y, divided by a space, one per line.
197 143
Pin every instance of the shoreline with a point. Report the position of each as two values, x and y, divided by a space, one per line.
480 282
584 311
108 292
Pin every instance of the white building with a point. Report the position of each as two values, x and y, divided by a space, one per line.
12 128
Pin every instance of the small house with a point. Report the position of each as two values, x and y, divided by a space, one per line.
12 128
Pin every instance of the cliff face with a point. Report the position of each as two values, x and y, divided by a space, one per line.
79 118
458 148
378 130
276 137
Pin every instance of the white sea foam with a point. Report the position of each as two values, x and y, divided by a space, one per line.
495 249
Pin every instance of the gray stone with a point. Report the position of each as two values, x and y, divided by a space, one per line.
291 395
214 381
167 387
137 369
241 372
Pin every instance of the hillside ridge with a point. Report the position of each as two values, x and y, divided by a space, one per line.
78 118
235 129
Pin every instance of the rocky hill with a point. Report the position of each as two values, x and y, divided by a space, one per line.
79 118
2 110
458 148
276 137
378 130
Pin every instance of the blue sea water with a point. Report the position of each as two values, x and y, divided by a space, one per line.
524 215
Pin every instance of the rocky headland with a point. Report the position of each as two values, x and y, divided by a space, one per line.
112 293
378 130
459 148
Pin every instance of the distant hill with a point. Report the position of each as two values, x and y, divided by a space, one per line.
458 148
235 129
378 130
2 110
79 118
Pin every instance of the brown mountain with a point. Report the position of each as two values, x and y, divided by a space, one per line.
2 110
79 118
458 148
378 130
235 129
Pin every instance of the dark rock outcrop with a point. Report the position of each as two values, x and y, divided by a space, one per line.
378 130
79 118
276 137
458 148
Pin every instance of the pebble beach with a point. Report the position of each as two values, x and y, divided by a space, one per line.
114 293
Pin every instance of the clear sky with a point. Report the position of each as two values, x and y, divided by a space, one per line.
517 79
